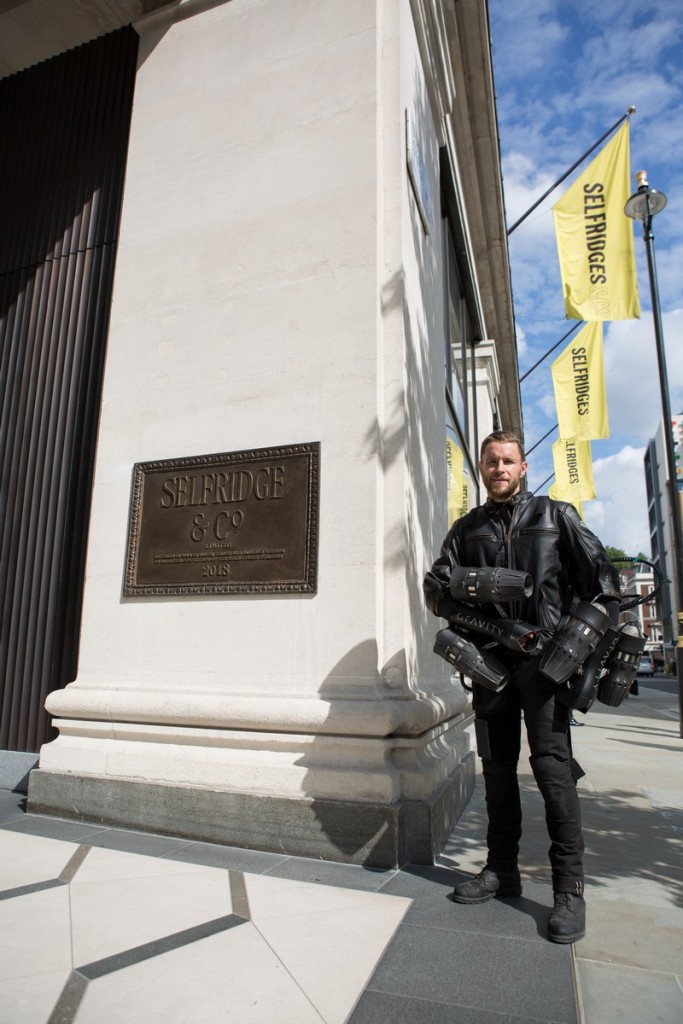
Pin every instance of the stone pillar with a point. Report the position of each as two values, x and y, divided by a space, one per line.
261 300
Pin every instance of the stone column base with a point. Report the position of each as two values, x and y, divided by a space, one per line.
371 834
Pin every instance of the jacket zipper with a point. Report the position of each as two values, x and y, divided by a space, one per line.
507 538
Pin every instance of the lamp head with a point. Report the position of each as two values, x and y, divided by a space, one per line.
646 202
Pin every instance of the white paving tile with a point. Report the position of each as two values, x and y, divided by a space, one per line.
332 953
271 897
630 891
230 976
613 994
30 1002
118 914
305 958
103 865
634 936
25 859
330 939
35 935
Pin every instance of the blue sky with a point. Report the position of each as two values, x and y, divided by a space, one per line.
564 73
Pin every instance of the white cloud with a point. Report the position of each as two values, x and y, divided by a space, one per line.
606 49
522 191
521 341
619 515
547 404
632 374
531 31
564 73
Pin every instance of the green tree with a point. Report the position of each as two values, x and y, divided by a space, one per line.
615 554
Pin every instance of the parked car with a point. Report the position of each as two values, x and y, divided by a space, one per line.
646 666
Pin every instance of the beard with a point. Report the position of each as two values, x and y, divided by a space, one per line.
502 490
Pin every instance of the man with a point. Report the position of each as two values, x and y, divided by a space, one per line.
546 539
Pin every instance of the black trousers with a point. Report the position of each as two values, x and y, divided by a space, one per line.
498 726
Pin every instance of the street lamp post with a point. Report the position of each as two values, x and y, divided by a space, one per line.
644 205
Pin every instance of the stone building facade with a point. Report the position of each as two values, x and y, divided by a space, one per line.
303 258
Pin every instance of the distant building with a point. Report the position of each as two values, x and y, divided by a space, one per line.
677 437
639 581
659 519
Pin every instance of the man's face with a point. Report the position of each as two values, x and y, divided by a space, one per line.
502 470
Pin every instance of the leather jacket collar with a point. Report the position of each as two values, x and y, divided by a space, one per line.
521 498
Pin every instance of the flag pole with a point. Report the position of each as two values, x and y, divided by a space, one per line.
544 483
552 349
542 440
624 117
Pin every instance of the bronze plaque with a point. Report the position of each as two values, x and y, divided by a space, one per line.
237 523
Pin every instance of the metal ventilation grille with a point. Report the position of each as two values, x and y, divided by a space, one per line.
64 125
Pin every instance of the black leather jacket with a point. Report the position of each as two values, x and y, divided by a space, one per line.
545 538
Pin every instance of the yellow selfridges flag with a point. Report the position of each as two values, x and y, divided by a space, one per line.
573 472
456 481
579 383
595 238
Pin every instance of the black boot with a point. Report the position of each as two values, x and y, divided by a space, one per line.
486 885
567 921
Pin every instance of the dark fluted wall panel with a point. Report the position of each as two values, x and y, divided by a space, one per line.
64 126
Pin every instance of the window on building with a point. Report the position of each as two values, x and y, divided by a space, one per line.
459 361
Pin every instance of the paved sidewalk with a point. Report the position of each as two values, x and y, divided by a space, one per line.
629 967
102 925
630 964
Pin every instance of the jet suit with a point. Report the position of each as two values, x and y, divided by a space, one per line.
548 540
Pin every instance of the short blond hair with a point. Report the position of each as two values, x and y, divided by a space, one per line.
501 437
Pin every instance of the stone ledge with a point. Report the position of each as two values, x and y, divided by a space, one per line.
371 834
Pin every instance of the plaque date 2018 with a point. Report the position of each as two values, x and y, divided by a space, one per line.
215 569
